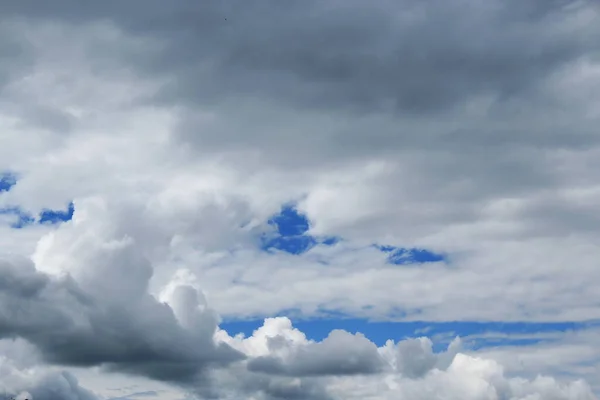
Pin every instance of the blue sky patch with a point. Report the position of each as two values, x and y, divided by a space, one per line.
7 181
46 216
290 234
56 216
402 256
290 222
475 335
23 218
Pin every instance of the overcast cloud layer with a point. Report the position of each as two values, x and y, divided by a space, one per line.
467 128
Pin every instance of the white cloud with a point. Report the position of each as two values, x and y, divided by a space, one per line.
412 369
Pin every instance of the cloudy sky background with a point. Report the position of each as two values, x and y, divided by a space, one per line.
300 200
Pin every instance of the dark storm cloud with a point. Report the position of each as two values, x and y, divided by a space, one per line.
70 328
413 56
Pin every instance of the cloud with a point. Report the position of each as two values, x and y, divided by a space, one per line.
76 328
71 322
96 311
571 355
341 353
280 361
22 377
467 129
413 370
454 375
409 56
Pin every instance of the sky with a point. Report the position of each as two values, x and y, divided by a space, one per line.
320 200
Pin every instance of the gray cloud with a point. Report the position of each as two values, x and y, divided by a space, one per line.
301 65
267 387
314 85
22 376
407 56
131 396
415 358
341 353
17 55
60 386
73 328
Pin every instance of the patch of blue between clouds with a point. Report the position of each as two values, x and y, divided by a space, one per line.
401 256
57 216
475 335
47 216
291 236
7 181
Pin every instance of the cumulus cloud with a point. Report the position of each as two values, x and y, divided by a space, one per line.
66 322
341 353
412 369
69 323
94 309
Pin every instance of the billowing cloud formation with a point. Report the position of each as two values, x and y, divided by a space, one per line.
456 376
408 369
70 319
461 127
74 324
339 354
95 309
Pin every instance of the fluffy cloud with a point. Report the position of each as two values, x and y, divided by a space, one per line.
408 369
340 353
94 308
179 342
